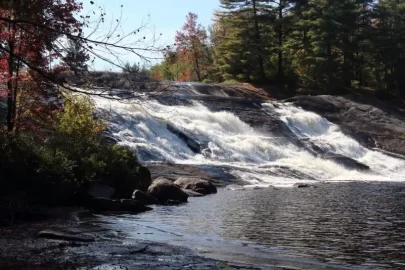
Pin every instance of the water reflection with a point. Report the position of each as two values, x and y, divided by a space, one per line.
358 224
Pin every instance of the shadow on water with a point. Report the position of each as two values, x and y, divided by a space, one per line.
339 226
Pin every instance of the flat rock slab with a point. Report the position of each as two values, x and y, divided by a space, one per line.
59 235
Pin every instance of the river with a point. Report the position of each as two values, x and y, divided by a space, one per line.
351 218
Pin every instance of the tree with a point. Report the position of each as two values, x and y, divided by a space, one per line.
30 39
281 9
24 42
389 44
76 57
191 44
131 69
243 50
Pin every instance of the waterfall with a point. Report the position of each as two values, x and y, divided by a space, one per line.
152 129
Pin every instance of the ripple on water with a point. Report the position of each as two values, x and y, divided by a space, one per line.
350 224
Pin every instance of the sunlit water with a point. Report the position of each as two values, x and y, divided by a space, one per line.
334 226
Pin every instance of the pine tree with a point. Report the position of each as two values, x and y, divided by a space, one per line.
76 57
389 44
241 40
281 9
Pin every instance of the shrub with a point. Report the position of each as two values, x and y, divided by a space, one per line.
72 156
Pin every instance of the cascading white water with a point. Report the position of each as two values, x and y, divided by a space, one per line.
328 136
251 155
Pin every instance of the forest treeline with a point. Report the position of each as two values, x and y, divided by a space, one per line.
324 45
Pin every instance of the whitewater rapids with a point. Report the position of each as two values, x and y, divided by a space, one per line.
249 154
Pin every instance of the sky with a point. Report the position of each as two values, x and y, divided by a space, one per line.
161 16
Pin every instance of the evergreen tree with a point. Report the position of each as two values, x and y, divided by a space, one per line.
282 25
242 41
389 43
76 57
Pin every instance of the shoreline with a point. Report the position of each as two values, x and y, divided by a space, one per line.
21 248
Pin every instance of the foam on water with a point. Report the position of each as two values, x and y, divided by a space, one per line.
308 125
228 141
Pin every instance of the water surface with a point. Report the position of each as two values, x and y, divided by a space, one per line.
336 225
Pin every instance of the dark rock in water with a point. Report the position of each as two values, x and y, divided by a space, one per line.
194 145
303 185
234 187
191 193
196 184
164 190
144 198
52 234
347 162
101 190
131 206
173 202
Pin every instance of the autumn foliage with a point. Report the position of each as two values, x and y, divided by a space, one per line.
190 60
30 33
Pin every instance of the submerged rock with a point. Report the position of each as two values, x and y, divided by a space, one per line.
194 145
164 190
347 162
52 234
144 198
173 202
303 185
196 184
131 206
234 187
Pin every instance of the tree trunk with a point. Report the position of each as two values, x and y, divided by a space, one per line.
259 42
10 103
280 43
329 68
196 62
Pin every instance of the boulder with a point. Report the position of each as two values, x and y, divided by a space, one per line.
130 206
100 190
191 193
164 190
141 181
196 184
144 198
346 162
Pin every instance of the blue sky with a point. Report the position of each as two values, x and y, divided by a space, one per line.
161 16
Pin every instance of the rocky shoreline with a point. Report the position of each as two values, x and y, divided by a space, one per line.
86 245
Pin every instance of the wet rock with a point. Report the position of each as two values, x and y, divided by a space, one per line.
234 187
173 202
144 198
194 145
130 206
303 185
191 193
164 190
347 162
196 184
141 181
370 121
101 190
52 234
